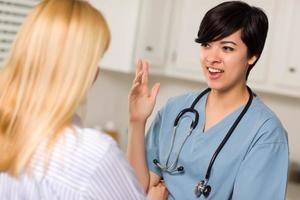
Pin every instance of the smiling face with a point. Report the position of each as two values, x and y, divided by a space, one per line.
225 62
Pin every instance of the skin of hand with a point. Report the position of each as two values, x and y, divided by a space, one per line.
141 99
158 192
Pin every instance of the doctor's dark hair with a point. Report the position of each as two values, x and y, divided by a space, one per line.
229 17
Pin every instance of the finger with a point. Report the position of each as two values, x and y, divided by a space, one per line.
154 91
135 85
160 185
162 182
145 75
139 67
134 88
138 77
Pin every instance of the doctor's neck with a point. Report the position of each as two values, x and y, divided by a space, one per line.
230 98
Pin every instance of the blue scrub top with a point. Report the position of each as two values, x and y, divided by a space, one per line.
253 164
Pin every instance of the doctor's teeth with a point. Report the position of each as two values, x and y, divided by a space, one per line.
214 70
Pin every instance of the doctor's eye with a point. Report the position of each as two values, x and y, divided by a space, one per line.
205 45
227 48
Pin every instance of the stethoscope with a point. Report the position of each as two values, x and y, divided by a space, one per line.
202 187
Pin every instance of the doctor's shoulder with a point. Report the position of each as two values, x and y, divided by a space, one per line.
270 130
182 101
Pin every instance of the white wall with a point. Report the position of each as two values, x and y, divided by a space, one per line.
108 101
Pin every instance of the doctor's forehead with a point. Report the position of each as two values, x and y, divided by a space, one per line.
233 39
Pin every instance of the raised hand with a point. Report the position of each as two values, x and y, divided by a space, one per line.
141 98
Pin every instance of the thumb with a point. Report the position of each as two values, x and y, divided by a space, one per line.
154 91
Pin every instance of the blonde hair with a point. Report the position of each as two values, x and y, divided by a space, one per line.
51 66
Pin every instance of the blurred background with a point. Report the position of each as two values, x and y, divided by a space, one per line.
163 32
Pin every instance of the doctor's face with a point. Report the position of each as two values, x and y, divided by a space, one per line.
225 62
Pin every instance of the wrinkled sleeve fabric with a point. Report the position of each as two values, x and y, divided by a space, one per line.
263 172
114 178
152 143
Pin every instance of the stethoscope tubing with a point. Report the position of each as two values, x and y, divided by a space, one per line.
172 168
229 133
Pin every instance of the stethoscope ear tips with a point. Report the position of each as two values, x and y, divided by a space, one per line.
180 168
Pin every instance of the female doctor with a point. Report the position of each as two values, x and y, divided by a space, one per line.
221 143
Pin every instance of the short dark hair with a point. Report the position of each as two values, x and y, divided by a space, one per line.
229 17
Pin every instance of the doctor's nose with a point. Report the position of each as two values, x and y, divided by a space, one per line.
212 56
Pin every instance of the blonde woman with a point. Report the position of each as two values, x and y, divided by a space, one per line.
51 67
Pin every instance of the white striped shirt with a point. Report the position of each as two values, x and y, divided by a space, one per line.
85 164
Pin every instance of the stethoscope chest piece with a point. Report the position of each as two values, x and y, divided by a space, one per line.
202 188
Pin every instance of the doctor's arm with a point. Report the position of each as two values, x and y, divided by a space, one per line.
263 172
141 104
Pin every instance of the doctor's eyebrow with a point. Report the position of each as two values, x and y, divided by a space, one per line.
228 42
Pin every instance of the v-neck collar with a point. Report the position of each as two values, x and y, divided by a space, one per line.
223 124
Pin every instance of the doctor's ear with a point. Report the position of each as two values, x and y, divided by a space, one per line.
252 59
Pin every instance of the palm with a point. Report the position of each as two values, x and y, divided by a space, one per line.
141 98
